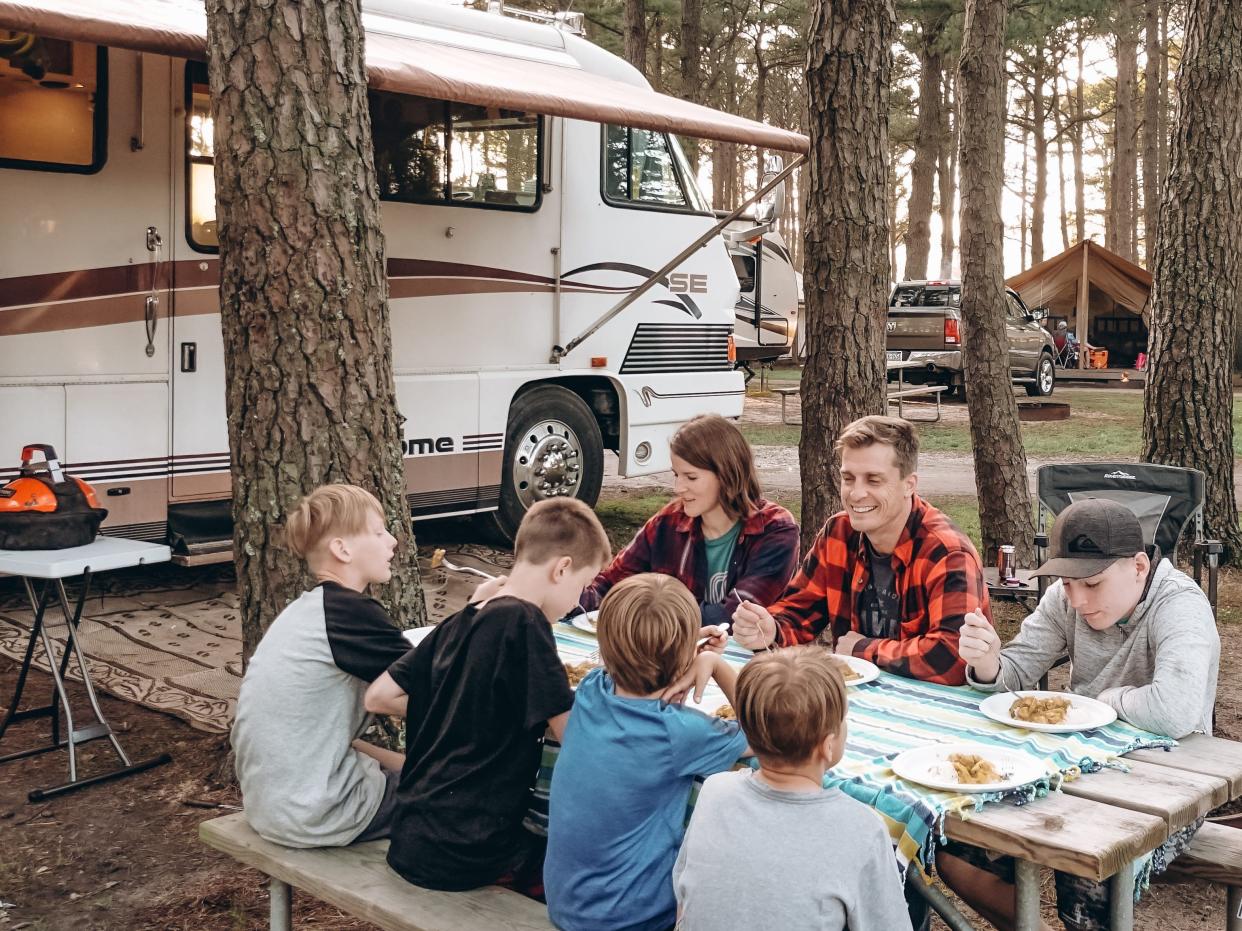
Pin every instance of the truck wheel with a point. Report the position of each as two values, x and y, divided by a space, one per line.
553 449
1045 378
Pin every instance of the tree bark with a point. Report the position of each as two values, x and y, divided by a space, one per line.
635 29
1039 132
927 143
1188 403
947 181
846 263
1025 190
1125 160
1151 127
303 296
1080 180
1059 122
1000 459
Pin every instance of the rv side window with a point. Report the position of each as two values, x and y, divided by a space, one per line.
639 169
53 103
199 168
433 152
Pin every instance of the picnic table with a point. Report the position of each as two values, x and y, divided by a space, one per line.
1114 794
897 395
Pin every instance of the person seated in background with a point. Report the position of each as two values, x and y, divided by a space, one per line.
890 577
305 780
623 779
1140 637
772 848
477 696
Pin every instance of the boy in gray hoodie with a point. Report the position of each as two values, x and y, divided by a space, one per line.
1140 636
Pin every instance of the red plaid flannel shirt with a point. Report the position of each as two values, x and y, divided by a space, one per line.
939 578
763 559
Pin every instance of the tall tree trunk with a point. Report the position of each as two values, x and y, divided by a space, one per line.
761 97
1025 191
691 27
303 296
1000 459
1059 122
1080 178
635 29
1164 91
947 181
1125 159
655 41
1188 403
1039 118
847 267
927 143
1151 127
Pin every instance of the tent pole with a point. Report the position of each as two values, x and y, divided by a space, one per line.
1084 295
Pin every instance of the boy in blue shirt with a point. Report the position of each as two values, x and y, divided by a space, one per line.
617 808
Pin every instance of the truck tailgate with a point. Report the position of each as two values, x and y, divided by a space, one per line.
915 328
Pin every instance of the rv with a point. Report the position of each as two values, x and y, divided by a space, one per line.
766 333
534 321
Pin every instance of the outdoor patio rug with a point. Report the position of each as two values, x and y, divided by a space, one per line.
170 638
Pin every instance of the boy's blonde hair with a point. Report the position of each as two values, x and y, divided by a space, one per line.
328 511
647 628
557 527
890 431
788 702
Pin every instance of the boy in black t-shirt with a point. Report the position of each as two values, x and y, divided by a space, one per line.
483 688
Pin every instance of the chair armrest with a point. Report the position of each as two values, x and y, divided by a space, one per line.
1041 540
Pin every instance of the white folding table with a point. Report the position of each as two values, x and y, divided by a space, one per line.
53 567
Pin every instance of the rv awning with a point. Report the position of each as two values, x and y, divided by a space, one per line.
411 65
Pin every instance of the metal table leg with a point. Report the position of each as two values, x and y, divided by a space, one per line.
1026 912
281 897
1121 899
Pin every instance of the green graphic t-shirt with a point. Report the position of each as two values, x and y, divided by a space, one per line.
719 551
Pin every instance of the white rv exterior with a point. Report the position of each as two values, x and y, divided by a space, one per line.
110 342
777 331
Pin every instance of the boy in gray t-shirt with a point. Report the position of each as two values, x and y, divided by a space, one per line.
773 848
305 780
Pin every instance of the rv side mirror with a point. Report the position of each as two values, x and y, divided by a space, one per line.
772 205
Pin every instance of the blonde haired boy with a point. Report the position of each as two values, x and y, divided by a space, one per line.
773 848
305 780
624 775
481 691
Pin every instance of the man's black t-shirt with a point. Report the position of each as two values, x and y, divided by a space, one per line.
879 608
481 688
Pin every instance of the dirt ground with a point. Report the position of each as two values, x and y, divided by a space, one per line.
124 856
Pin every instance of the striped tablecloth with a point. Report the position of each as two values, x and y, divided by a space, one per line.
893 714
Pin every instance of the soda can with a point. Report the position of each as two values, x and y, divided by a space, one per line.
1007 563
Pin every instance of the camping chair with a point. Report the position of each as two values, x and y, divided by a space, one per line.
1166 499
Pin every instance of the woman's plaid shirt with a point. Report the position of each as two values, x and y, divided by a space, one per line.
939 578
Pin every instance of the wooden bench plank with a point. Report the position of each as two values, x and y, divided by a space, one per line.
357 880
1178 796
1201 754
1215 854
1071 834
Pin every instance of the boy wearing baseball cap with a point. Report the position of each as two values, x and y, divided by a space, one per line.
1140 636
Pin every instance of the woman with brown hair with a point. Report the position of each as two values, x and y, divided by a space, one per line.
719 536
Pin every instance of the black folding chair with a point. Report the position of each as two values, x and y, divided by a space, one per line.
1168 501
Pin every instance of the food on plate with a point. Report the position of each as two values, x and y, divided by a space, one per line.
436 558
578 671
1040 710
973 770
725 711
847 671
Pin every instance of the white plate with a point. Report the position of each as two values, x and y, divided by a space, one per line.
417 635
1083 715
930 766
585 621
864 667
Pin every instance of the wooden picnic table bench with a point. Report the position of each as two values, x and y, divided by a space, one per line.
357 880
897 396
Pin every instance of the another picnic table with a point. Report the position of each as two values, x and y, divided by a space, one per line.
898 395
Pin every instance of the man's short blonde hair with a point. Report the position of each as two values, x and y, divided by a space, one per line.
789 702
890 431
558 527
648 625
328 511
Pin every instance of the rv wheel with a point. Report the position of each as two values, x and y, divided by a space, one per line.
553 449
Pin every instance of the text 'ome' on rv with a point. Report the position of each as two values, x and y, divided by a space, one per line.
574 308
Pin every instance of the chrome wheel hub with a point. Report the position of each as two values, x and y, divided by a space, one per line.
547 463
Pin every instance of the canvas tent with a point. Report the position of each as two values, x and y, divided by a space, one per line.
1111 293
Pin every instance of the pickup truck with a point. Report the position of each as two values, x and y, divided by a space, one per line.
925 325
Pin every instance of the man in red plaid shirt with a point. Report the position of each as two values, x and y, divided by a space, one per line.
890 577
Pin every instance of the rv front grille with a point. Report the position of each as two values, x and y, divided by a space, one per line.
659 348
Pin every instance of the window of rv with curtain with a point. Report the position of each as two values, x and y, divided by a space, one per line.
643 168
53 103
200 162
455 154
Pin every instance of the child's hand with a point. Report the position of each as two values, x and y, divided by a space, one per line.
488 589
980 647
695 679
717 638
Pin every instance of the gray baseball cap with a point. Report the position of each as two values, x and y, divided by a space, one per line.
1089 536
